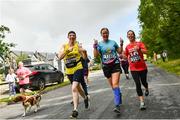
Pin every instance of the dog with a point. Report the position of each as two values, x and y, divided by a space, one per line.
28 102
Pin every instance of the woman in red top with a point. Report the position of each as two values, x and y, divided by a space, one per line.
134 51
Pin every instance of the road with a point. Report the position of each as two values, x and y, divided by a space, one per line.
162 103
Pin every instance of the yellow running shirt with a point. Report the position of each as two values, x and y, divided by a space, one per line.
72 57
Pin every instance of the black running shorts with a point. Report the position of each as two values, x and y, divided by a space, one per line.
108 70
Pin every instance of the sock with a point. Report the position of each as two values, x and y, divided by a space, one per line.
117 96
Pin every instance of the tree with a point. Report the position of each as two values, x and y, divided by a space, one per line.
22 57
4 47
160 22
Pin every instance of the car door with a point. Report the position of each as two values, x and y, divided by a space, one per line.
53 73
45 73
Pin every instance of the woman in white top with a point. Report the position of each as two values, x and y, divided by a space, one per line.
11 79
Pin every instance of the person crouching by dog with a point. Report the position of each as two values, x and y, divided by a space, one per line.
23 76
11 79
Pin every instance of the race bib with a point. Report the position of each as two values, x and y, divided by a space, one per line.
134 56
71 62
108 59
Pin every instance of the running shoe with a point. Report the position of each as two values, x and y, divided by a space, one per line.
127 77
117 109
146 92
74 114
87 103
142 105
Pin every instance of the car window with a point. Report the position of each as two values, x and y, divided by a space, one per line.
37 68
30 67
49 67
43 67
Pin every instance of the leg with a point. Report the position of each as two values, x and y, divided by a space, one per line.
27 88
136 77
124 69
86 72
84 86
75 94
36 108
10 89
22 90
14 90
116 71
143 76
116 89
25 111
81 92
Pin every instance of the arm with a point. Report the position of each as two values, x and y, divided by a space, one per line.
120 49
95 51
83 52
62 53
7 78
143 48
126 52
28 72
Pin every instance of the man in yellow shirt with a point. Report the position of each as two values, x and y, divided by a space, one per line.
71 52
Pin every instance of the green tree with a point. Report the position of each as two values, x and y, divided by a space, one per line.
160 22
4 47
22 57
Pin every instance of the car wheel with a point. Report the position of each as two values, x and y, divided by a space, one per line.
61 79
41 84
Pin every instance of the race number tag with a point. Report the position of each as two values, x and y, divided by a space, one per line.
134 56
108 58
71 62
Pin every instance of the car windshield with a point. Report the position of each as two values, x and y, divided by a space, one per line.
30 67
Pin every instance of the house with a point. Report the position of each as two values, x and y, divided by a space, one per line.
39 57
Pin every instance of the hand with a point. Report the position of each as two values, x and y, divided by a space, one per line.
95 41
70 49
95 44
136 47
121 41
80 45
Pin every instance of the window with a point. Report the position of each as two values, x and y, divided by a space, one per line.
49 67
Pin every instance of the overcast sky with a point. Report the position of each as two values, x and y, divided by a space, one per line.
43 25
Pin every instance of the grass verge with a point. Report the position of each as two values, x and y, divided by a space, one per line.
172 66
49 88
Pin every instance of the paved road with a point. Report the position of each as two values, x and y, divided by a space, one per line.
163 101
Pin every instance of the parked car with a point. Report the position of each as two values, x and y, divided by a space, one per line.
43 74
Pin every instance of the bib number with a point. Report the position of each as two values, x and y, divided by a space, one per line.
71 62
134 57
109 59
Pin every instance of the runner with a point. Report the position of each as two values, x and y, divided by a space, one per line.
134 51
124 64
107 49
154 56
71 52
85 68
